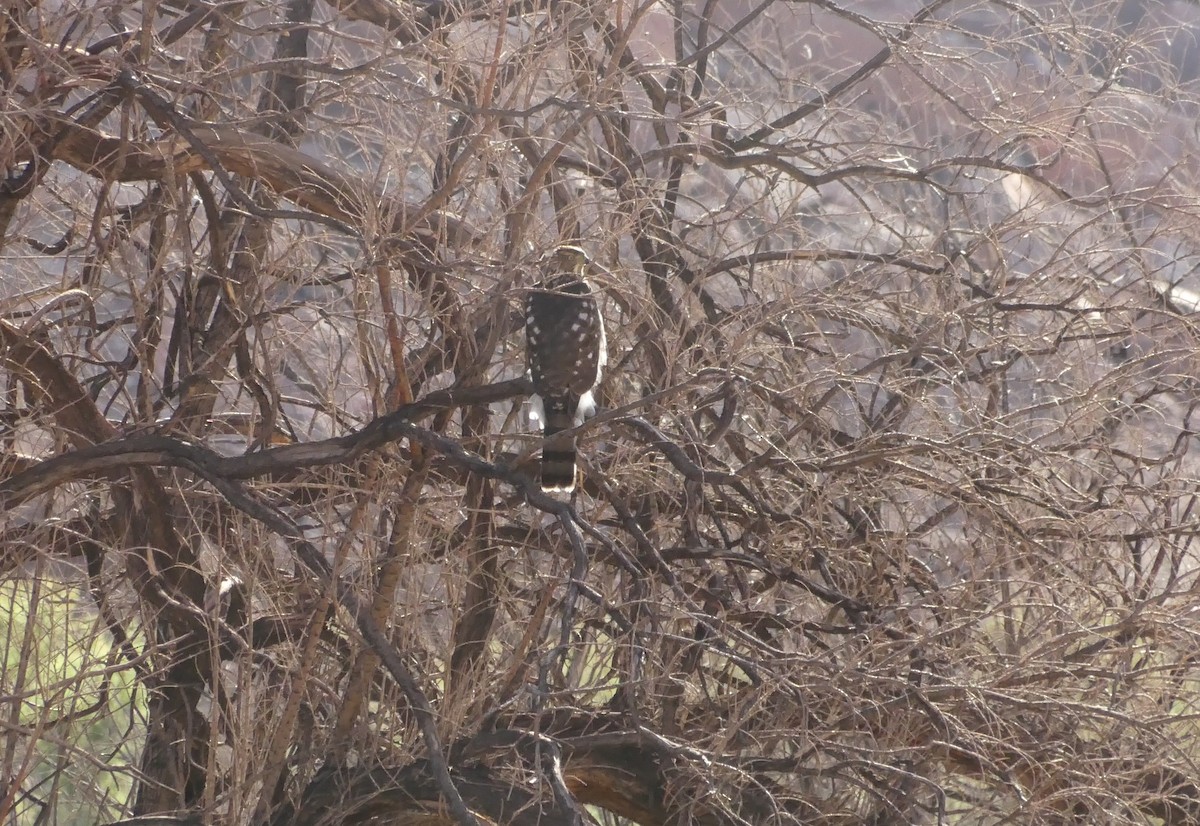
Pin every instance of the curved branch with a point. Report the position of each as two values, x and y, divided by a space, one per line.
304 180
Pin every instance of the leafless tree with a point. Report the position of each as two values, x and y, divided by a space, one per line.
889 513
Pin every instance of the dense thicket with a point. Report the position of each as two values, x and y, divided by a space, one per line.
889 515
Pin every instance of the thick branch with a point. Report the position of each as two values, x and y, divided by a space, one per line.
292 174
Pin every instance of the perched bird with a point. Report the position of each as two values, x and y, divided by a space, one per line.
565 353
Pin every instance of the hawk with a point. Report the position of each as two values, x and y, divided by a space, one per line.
565 352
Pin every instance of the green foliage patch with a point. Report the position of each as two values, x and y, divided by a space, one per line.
73 718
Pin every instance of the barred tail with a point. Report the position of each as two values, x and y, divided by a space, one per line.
558 454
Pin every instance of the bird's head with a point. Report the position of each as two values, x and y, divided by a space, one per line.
565 270
572 259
